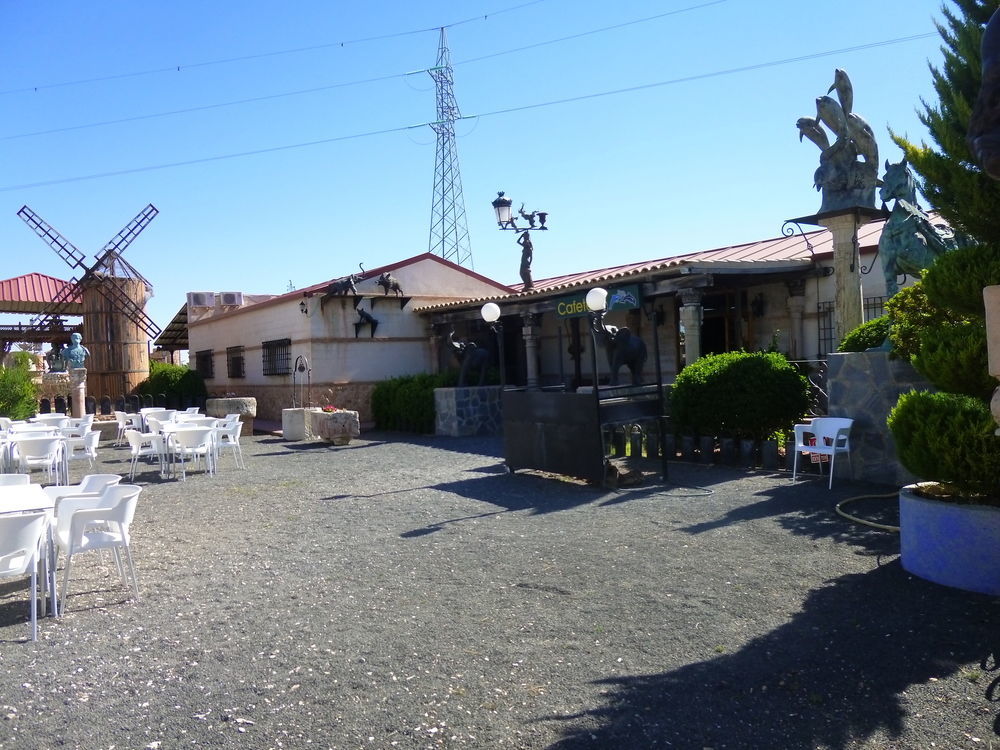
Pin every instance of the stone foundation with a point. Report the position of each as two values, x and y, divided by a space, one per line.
273 399
245 407
865 387
461 412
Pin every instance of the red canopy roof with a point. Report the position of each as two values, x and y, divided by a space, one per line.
34 293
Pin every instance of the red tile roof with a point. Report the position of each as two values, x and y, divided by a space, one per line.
33 293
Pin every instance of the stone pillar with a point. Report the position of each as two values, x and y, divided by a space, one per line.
691 314
796 309
849 310
78 385
530 334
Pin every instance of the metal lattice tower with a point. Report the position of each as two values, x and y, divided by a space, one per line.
449 236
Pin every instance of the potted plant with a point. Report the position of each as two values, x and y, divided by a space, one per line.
950 523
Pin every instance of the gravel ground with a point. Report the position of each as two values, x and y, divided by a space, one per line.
408 593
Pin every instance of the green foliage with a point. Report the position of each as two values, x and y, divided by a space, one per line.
739 394
866 336
956 279
948 176
948 438
953 356
910 312
406 403
172 380
18 393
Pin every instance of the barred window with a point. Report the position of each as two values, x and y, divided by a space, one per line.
874 308
234 362
204 363
825 311
277 356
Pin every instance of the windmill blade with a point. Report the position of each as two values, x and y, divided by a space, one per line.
125 305
110 255
63 247
57 306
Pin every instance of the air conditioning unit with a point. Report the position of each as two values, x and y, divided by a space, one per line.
201 299
231 299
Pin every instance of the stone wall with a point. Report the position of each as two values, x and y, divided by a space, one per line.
272 399
460 412
865 386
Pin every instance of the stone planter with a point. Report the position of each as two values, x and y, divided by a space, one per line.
336 427
949 543
246 407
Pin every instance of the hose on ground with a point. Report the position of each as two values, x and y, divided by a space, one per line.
880 526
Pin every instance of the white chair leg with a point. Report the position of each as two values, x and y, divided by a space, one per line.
795 465
833 457
131 568
34 603
65 583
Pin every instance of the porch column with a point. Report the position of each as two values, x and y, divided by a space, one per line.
529 332
691 315
848 305
796 309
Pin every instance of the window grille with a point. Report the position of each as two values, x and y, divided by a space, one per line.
874 308
826 328
234 362
277 356
204 363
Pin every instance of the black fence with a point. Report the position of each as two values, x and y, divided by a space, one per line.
107 405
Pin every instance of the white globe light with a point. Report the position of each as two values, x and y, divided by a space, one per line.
597 299
490 312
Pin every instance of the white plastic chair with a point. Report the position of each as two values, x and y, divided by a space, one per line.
228 436
21 538
103 522
14 480
193 410
92 485
144 445
126 422
40 453
84 448
825 436
195 443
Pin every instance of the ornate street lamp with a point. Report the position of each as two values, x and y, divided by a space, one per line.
597 305
503 206
491 314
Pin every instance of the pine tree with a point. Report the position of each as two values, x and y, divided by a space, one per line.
958 189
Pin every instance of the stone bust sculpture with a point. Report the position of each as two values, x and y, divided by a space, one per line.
74 353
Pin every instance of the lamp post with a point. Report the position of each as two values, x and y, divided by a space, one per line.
491 314
597 304
503 206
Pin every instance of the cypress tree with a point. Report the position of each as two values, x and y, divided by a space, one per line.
955 186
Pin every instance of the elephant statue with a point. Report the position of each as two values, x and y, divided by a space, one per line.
470 357
623 349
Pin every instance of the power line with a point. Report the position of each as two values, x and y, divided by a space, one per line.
316 89
259 55
507 110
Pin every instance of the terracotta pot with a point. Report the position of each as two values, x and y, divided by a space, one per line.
953 544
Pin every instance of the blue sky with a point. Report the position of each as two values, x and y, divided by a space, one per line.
670 167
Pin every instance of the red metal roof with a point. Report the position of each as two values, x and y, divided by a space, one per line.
33 293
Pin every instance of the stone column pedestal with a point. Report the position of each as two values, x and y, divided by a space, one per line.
78 385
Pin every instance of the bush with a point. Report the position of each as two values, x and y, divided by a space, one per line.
173 381
870 335
948 438
406 403
953 356
739 394
956 279
18 393
910 312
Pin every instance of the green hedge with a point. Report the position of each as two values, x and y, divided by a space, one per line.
172 380
870 335
739 394
406 403
956 279
953 356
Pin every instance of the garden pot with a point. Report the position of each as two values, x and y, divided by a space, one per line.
727 451
748 451
706 449
953 544
769 454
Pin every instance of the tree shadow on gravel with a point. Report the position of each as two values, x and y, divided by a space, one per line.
809 509
831 677
319 447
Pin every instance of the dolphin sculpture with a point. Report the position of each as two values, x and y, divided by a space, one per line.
831 114
812 130
845 91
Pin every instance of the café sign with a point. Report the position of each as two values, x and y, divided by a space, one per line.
622 298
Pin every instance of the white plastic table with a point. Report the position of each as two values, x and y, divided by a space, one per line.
25 498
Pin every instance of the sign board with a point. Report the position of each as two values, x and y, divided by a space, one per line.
622 298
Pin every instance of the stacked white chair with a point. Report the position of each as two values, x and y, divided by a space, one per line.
40 453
